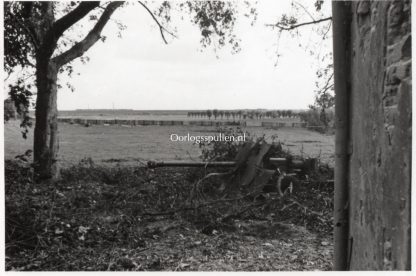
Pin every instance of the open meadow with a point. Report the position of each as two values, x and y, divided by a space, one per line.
128 145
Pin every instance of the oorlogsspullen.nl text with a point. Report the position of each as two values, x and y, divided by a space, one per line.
220 137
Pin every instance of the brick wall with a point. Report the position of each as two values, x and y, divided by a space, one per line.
380 160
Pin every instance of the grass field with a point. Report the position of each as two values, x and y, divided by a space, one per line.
115 143
180 115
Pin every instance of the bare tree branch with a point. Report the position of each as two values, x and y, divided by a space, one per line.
328 85
64 23
292 27
72 17
30 64
92 37
305 10
327 30
327 88
161 28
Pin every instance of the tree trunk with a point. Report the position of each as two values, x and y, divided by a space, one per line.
46 127
324 119
49 31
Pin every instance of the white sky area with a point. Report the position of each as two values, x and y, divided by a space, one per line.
139 71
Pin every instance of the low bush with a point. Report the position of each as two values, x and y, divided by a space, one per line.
318 121
223 150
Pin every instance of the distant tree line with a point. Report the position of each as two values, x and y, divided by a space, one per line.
244 114
319 117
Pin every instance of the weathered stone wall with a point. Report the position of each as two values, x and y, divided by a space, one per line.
380 160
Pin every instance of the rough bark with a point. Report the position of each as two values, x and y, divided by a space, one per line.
46 144
45 134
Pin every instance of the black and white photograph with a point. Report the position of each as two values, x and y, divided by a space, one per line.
207 136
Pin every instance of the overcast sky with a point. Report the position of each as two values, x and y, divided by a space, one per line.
139 71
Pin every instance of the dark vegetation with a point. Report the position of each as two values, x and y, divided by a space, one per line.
319 120
134 218
223 150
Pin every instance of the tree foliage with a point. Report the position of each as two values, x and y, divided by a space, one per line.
19 45
66 39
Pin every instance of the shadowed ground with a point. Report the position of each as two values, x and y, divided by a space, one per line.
125 218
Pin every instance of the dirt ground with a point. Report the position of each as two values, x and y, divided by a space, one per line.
255 246
128 218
